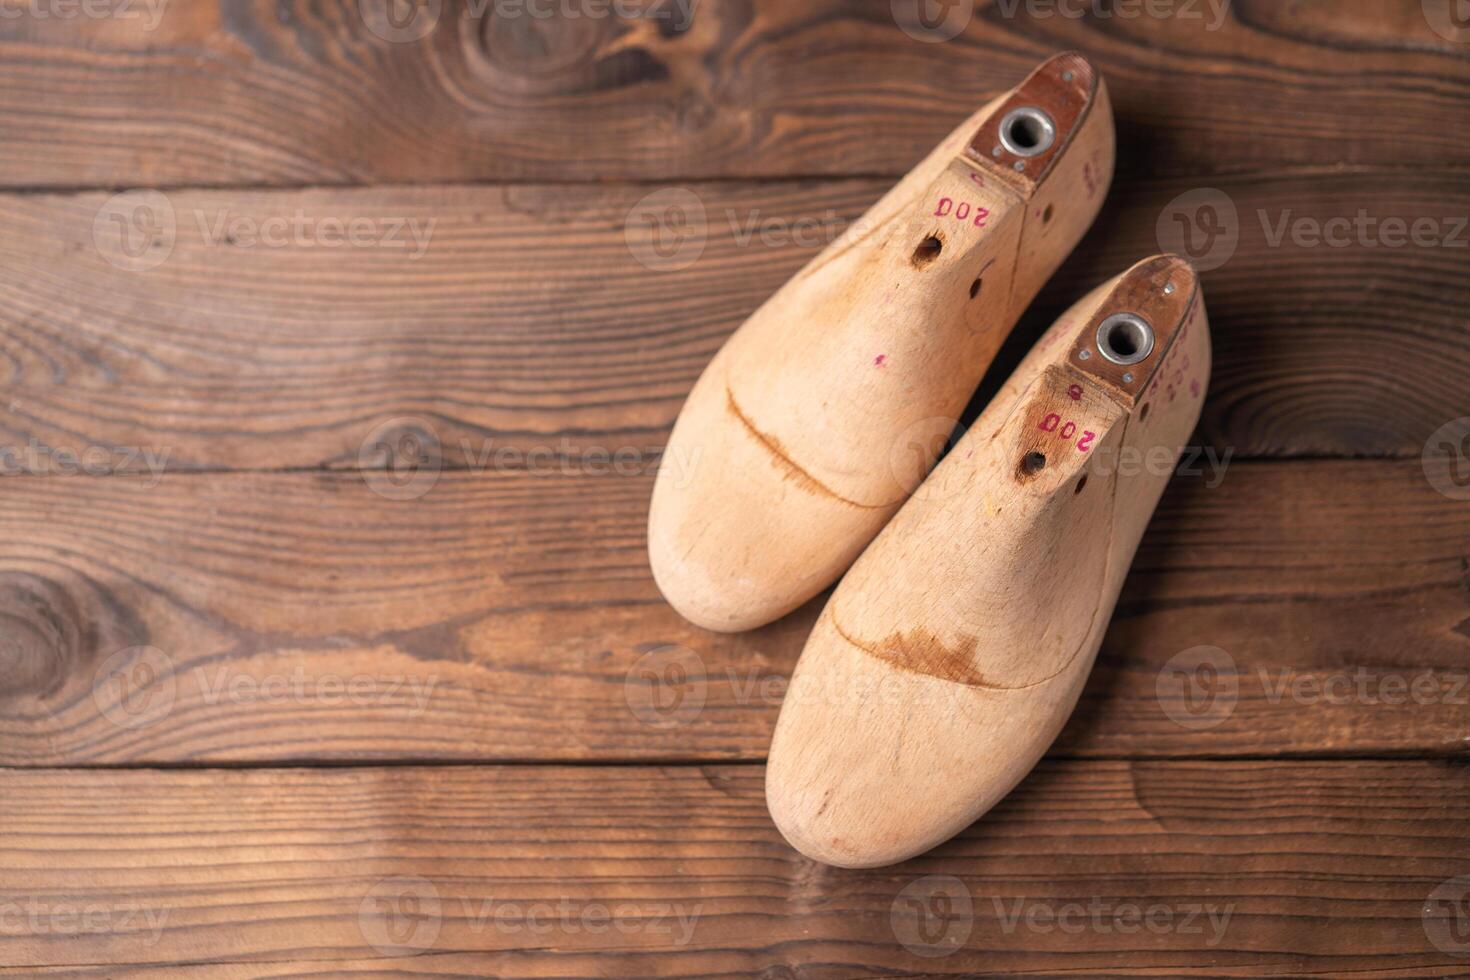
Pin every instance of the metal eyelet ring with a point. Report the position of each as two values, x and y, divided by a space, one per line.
1027 131
1125 338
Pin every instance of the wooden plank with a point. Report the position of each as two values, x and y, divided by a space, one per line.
522 318
1221 868
302 616
313 95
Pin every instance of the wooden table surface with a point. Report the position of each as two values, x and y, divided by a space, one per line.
339 345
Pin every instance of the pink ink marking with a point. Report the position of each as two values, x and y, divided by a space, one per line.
878 361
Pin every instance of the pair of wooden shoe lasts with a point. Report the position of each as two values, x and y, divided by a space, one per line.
975 600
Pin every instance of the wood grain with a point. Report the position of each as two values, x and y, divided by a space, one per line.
972 621
529 322
259 92
302 616
884 332
1309 868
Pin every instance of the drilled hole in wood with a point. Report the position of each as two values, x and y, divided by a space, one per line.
928 250
975 288
1143 413
1032 463
1026 133
1046 215
1081 483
